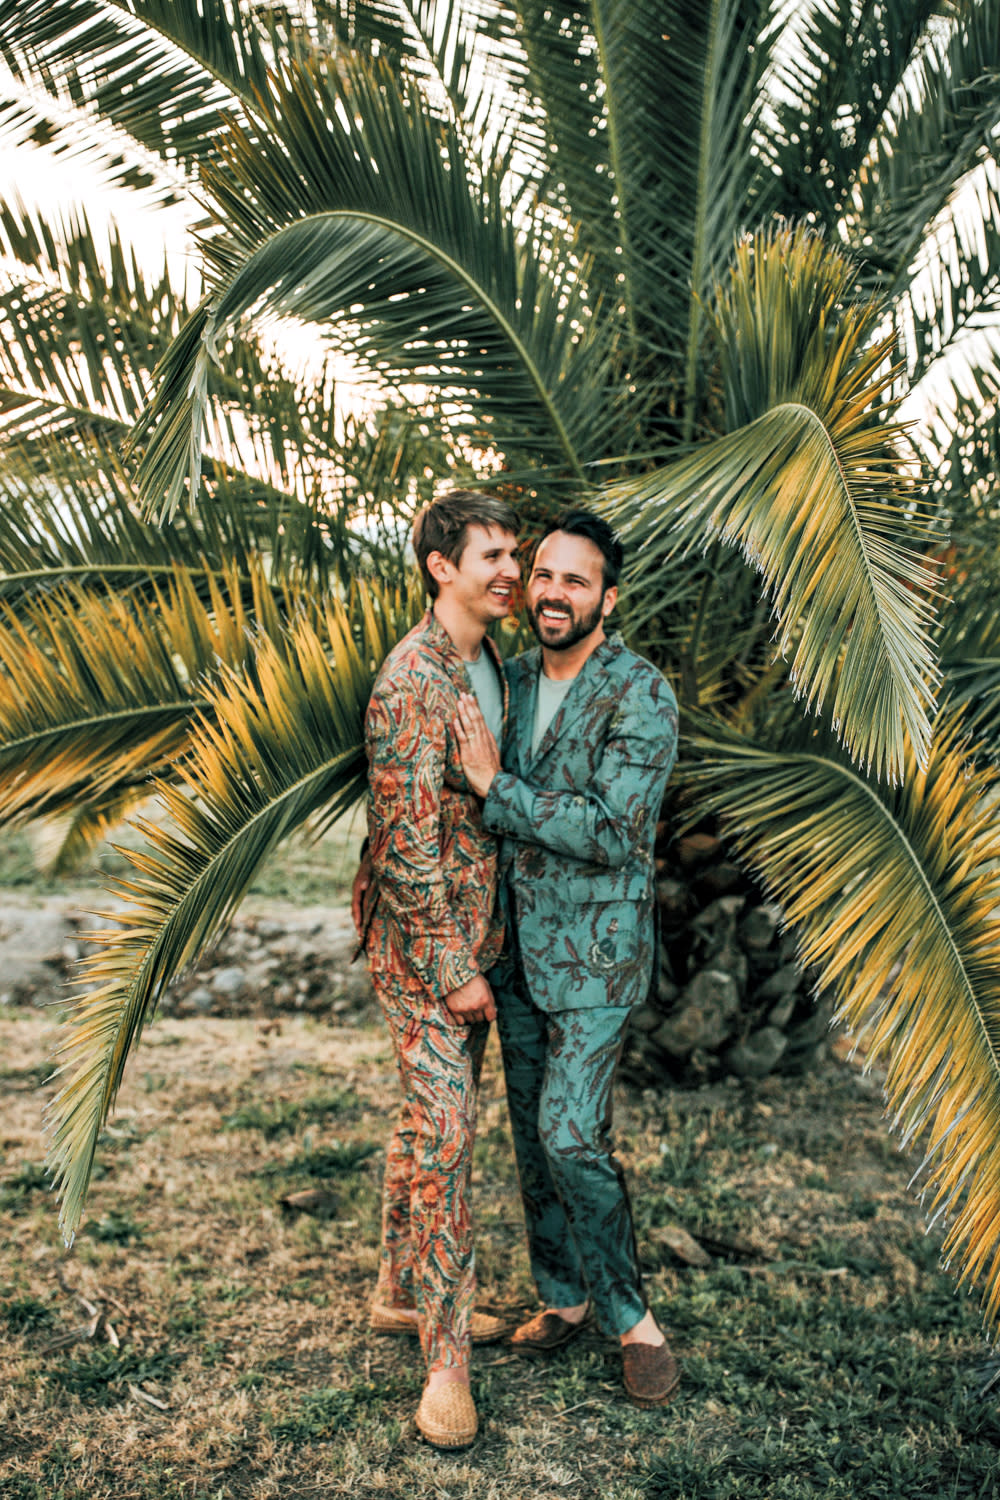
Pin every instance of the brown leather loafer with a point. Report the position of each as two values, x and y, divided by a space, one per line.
483 1327
447 1417
545 1331
650 1372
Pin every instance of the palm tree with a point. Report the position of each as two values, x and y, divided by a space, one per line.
680 259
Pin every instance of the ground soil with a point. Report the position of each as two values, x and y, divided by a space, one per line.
206 1337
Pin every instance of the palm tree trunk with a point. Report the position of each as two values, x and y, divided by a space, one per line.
728 994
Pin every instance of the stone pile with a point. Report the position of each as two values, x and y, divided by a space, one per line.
729 996
287 959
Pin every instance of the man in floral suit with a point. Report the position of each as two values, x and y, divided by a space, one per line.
432 935
592 741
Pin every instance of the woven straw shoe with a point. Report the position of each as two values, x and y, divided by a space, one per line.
483 1327
447 1416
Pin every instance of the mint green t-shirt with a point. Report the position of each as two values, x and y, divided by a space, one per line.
548 697
486 686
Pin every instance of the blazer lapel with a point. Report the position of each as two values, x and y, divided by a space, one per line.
522 672
504 686
577 701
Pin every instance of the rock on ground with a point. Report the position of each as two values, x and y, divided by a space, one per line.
276 957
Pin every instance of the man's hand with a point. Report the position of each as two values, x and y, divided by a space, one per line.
363 893
472 1001
477 747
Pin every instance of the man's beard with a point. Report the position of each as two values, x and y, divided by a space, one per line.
580 626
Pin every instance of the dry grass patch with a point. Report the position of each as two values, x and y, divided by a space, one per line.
204 1341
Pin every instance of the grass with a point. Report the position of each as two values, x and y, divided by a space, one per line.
287 1116
201 1342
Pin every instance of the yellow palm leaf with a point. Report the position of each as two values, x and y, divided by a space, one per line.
894 894
811 485
280 742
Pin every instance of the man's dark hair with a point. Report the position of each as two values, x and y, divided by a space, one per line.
595 529
443 526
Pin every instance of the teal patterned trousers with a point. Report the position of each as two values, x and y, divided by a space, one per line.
560 1070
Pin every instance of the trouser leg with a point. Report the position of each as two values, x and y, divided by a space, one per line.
396 1277
555 1264
574 1124
427 1257
560 1071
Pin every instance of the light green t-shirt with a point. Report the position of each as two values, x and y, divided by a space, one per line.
486 686
548 696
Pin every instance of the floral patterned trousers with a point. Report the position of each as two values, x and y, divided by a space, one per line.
560 1069
427 1259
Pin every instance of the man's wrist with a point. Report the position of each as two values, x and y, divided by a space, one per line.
457 977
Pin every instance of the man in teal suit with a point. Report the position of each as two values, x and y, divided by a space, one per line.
575 804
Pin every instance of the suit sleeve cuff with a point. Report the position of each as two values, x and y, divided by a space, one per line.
502 812
453 974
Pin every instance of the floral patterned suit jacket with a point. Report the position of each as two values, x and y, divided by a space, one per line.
578 821
436 923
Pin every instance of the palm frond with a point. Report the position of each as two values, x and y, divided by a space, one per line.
67 510
57 156
563 140
98 692
162 72
811 490
939 131
79 339
681 103
948 312
646 113
65 364
970 653
840 69
66 514
375 233
959 444
453 48
706 623
893 895
284 744
61 845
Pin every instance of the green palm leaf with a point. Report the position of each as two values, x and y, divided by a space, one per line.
811 490
60 369
63 844
834 86
450 47
934 136
415 270
162 72
637 124
76 365
970 655
893 895
99 691
67 513
282 743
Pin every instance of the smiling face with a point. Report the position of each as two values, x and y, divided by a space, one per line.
566 600
481 584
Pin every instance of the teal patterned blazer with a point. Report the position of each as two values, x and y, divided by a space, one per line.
577 823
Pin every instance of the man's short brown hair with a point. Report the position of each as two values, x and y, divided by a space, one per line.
443 526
